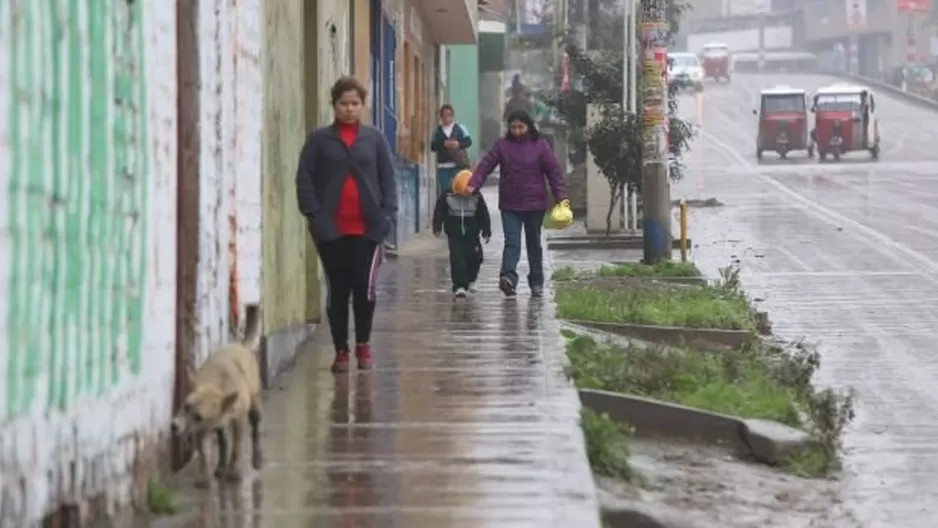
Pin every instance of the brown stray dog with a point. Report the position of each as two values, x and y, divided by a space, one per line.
225 395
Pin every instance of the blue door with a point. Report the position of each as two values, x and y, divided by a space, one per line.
376 41
389 88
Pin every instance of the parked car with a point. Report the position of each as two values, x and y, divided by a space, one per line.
685 71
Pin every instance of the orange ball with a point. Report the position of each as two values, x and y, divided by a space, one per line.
461 182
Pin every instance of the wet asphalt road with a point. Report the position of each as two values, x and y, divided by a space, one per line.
844 255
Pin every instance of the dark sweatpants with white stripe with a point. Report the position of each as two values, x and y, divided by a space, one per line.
351 268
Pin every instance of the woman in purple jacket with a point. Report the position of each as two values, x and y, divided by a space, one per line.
524 158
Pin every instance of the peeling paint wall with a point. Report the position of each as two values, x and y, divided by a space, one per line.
361 48
335 48
87 263
284 283
229 210
215 177
248 110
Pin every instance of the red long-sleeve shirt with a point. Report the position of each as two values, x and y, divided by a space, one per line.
349 219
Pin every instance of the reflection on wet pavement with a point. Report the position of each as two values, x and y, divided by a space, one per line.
467 421
844 255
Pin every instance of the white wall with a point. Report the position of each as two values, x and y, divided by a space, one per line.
248 109
597 189
62 438
81 398
230 166
216 176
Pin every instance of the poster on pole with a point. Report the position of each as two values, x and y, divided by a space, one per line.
856 14
654 38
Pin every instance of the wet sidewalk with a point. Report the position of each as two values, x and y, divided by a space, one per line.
467 421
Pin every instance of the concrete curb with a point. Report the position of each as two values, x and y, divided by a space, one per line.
675 335
603 243
766 441
601 336
279 350
634 517
558 363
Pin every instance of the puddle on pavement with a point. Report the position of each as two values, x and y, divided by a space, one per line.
702 486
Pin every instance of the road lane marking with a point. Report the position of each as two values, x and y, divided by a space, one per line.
837 273
793 257
830 215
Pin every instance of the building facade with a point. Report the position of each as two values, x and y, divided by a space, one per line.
405 51
87 247
885 37
147 160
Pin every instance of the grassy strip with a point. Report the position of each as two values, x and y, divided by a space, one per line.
563 274
757 382
607 445
722 304
695 306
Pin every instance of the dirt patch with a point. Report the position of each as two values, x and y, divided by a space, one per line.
708 487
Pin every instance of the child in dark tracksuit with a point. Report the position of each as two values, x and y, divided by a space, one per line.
463 219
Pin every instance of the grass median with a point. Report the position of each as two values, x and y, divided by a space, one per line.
759 381
621 294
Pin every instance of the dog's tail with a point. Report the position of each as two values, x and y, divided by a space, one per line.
253 326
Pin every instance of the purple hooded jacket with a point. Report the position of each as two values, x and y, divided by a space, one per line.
523 165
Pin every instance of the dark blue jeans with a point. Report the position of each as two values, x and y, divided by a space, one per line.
513 223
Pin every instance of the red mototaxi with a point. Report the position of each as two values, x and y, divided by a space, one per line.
844 121
783 122
716 61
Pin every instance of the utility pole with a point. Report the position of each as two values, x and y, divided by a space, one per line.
858 20
518 15
656 191
630 93
762 12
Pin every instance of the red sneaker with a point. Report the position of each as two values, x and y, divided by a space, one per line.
340 363
363 353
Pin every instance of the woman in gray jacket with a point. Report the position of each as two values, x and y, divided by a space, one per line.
347 190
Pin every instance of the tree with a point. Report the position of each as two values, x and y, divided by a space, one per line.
615 141
615 154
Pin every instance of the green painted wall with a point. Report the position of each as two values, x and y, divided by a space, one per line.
462 86
77 195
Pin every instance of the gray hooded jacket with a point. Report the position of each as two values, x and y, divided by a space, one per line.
323 166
